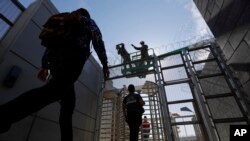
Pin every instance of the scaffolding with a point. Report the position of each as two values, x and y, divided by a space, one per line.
190 94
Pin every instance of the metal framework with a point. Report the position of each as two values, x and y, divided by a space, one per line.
190 94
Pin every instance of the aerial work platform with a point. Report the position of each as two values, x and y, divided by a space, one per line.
190 94
139 65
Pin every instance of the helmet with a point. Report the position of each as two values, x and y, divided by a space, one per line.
142 42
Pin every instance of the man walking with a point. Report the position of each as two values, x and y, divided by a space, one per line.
143 49
144 55
133 110
65 62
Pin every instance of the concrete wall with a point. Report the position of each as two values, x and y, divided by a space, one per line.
229 21
21 47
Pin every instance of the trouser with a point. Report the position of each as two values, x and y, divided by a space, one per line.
36 99
59 88
134 123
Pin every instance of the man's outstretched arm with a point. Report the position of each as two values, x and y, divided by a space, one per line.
137 48
97 42
99 47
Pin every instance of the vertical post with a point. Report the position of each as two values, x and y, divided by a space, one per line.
198 93
165 111
99 114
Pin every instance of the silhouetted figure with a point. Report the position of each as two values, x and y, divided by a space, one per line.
145 129
144 55
123 52
133 110
65 63
143 49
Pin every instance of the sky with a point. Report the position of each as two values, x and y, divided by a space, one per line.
160 23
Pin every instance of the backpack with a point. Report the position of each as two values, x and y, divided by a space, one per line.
60 30
136 107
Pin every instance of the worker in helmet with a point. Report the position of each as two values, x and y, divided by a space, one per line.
144 55
123 52
143 49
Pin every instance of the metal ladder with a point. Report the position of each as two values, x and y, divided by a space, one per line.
200 98
166 120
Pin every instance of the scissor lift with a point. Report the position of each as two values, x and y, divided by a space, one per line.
138 65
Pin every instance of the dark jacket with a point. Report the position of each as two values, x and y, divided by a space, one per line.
81 47
132 103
